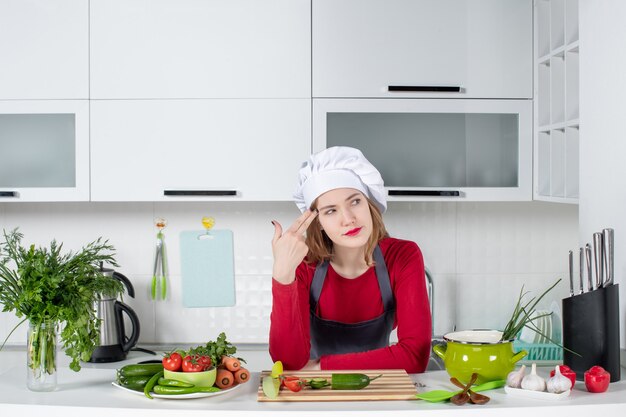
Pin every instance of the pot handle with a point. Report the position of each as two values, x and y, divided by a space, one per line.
519 355
440 350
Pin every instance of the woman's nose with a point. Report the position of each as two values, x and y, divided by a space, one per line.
347 216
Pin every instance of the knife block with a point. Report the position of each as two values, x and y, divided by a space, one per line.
591 329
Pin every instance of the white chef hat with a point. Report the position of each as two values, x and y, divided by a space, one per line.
338 167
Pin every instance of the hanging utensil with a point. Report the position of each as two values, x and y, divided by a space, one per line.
159 275
598 252
608 235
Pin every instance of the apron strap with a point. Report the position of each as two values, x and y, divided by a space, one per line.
384 283
382 275
317 284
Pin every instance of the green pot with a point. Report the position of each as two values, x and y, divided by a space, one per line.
478 351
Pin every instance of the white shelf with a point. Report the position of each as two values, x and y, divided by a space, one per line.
557 101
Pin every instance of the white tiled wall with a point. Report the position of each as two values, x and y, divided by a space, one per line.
480 255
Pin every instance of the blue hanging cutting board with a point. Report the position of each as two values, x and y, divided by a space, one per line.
207 268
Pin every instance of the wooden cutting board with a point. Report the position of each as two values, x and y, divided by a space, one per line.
395 384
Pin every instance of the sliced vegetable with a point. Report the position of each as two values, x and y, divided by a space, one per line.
271 386
293 383
318 383
224 378
151 383
351 381
147 369
167 390
277 369
174 383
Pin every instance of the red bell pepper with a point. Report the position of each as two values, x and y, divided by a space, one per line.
597 379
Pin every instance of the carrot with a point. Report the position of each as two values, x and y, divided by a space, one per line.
242 375
224 378
231 363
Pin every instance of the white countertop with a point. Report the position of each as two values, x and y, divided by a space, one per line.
90 393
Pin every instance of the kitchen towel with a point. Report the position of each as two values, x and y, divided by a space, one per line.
207 268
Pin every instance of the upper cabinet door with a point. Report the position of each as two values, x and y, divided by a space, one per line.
200 49
44 145
44 49
483 48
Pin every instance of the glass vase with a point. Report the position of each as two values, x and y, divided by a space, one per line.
41 356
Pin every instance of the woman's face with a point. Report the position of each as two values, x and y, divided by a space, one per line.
345 217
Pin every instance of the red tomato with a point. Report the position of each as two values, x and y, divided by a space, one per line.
191 364
172 361
293 383
567 372
204 361
597 379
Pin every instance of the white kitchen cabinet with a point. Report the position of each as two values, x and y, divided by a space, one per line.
200 49
361 48
436 149
44 145
556 104
198 150
44 49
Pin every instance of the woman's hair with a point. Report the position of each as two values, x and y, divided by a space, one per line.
321 247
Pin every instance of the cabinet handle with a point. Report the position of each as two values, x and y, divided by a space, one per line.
8 194
425 88
429 193
210 193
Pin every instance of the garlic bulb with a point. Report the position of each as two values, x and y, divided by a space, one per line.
534 382
559 383
514 378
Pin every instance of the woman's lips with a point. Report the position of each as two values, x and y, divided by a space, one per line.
353 232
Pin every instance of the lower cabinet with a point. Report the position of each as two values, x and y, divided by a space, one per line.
198 150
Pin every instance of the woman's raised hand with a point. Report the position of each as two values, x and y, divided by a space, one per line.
289 248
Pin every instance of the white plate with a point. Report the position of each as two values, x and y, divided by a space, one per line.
537 395
181 396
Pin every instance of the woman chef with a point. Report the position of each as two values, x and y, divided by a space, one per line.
340 283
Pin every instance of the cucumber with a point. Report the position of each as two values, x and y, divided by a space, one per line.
147 369
133 382
351 381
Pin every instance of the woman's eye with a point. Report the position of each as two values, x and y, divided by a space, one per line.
329 211
356 201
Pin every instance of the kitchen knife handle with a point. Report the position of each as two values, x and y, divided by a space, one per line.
428 193
598 253
8 194
425 88
609 236
571 273
196 193
589 267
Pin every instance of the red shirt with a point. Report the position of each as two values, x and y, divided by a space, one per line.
355 300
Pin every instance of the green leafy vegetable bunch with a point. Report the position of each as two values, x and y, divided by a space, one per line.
43 285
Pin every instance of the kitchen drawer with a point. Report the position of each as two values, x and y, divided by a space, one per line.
483 47
198 150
